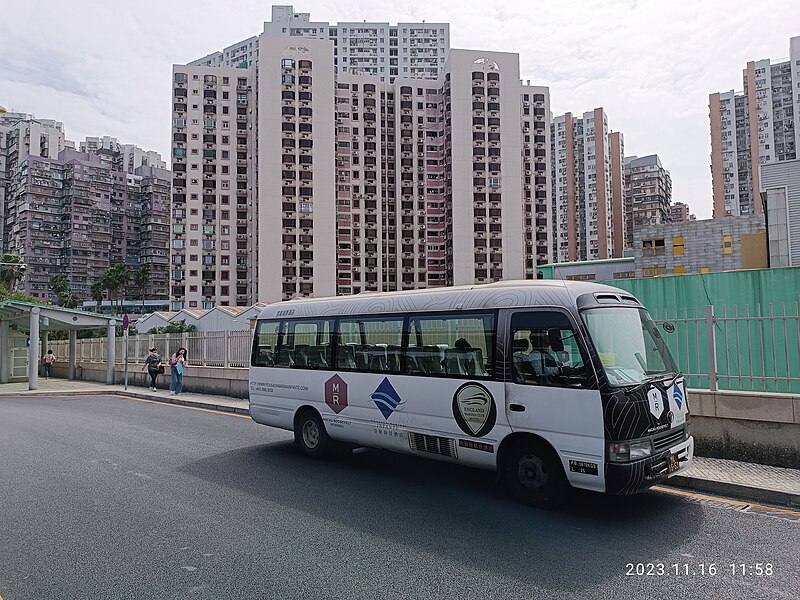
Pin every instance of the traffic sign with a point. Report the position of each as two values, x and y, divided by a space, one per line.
125 322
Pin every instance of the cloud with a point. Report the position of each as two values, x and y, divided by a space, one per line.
104 68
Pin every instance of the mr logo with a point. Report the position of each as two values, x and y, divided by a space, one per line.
656 401
336 394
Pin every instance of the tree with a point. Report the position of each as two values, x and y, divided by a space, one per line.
64 296
141 279
98 291
113 279
174 327
12 270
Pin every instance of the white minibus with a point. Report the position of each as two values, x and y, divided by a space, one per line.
555 384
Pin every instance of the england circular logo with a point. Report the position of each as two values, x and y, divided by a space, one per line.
474 409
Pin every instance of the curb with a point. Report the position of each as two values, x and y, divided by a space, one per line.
175 400
133 394
735 490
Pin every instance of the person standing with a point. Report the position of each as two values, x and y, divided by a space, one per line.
154 367
178 363
48 361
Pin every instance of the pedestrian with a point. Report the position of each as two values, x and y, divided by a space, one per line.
154 367
48 361
178 364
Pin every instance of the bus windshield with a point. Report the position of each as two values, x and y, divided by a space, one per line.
629 345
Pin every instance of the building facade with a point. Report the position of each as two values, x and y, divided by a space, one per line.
707 246
439 177
758 126
77 213
214 236
584 179
648 193
132 156
781 192
680 212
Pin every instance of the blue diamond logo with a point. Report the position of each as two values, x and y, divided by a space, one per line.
386 398
677 395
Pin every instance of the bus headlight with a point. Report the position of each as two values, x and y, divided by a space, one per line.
628 451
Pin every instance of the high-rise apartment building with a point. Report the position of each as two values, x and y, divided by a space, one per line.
680 212
214 234
648 193
77 213
584 179
23 135
752 128
410 50
439 175
132 156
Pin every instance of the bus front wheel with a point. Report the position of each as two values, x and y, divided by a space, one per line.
311 436
534 475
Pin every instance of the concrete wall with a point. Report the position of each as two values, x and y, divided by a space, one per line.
200 380
752 426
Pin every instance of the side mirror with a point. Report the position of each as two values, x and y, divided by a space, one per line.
668 327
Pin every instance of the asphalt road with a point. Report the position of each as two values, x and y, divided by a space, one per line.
107 497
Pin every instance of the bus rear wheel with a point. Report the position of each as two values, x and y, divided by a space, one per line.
311 436
535 476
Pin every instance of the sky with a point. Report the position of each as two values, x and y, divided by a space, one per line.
104 68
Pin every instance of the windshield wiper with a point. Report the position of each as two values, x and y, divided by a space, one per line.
653 378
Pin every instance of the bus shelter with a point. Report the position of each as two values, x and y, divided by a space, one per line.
37 320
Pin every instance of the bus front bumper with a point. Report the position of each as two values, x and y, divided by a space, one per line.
638 476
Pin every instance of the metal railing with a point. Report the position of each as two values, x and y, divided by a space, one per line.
738 349
227 349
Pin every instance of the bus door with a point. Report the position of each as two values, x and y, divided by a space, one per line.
553 392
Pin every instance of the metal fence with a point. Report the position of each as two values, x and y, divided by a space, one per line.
206 348
748 349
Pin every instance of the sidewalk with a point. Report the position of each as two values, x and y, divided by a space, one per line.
747 481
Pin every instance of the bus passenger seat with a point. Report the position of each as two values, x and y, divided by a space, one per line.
346 357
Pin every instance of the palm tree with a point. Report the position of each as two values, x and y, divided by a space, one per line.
12 270
59 284
141 279
115 278
98 292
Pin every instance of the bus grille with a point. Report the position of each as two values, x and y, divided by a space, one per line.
432 444
669 439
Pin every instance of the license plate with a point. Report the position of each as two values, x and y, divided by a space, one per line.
674 464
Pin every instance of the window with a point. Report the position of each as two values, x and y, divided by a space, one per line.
727 244
304 344
370 344
677 245
679 269
457 345
547 351
653 247
705 270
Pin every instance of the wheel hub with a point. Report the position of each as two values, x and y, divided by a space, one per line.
532 472
310 434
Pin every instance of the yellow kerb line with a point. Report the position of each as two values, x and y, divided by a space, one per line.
211 410
668 490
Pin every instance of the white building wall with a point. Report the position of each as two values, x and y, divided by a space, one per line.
323 202
460 66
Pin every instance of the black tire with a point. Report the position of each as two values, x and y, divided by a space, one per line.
534 475
311 436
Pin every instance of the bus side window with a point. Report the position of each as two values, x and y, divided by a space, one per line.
546 351
265 343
